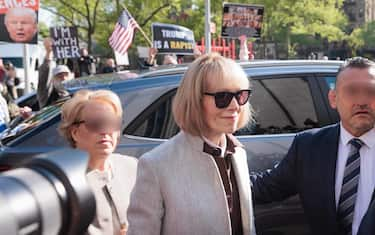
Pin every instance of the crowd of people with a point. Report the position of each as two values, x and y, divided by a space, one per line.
207 188
11 87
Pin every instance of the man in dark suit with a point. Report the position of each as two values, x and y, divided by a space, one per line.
332 169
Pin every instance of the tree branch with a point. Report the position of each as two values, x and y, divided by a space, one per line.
58 14
65 18
88 13
95 14
154 13
72 8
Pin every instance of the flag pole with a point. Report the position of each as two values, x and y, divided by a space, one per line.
140 29
207 30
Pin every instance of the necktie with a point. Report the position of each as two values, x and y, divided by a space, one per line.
349 187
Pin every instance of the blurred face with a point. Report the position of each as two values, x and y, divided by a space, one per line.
84 52
62 76
110 63
354 99
220 120
12 73
98 130
21 28
58 79
168 59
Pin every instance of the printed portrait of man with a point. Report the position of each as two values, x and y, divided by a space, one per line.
21 24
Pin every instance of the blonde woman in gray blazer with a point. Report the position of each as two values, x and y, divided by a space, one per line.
198 181
91 121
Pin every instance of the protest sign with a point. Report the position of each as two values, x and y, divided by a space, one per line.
242 19
65 42
169 38
19 21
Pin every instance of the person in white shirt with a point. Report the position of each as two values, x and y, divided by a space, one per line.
91 121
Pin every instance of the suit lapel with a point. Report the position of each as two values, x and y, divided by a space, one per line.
367 225
329 149
239 163
114 192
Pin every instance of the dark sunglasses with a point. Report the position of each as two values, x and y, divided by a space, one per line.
101 125
223 99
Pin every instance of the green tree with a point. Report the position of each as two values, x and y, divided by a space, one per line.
363 37
43 30
318 18
85 15
289 21
151 11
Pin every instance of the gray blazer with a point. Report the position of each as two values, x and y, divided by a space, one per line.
124 170
179 191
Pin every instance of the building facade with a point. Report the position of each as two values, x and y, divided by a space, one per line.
359 12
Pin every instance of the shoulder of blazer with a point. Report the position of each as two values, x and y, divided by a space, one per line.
320 133
179 142
124 159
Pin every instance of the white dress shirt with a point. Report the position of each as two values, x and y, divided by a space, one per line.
367 172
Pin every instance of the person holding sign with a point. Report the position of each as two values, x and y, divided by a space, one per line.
50 88
21 24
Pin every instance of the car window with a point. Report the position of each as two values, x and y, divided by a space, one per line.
281 105
17 129
331 82
157 120
48 138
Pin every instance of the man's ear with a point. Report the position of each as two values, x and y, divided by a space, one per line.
332 98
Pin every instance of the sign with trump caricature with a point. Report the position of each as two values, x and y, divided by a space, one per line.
19 21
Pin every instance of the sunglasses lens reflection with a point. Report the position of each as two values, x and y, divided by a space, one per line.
242 97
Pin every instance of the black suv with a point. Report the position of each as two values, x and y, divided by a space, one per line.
288 97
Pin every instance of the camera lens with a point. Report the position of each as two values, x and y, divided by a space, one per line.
49 195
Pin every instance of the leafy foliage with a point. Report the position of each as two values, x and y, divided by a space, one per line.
363 37
284 20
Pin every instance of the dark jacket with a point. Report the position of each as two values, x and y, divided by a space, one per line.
309 170
46 93
86 65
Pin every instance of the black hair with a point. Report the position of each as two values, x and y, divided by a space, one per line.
356 62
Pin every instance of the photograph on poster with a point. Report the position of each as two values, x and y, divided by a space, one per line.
19 21
242 19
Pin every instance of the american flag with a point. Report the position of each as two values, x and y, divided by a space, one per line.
122 36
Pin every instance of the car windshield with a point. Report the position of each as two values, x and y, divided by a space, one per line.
37 119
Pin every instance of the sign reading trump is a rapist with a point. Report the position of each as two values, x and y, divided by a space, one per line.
170 38
65 42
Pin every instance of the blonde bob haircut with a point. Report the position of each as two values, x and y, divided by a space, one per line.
71 111
188 106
